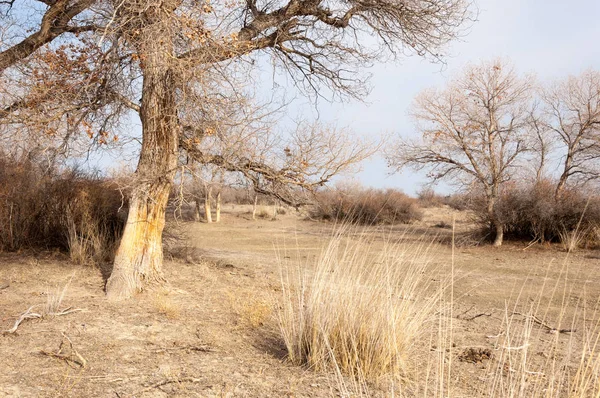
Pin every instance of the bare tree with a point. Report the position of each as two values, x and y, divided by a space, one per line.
206 179
152 56
476 131
573 114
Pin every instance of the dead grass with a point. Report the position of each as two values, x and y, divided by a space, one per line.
361 312
163 303
545 330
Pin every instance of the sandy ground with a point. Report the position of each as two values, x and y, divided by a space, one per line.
212 332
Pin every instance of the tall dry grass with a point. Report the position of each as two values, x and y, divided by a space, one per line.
369 312
362 311
549 346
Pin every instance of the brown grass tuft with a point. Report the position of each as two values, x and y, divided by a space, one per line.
361 311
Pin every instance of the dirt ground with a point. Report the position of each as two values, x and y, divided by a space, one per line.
211 331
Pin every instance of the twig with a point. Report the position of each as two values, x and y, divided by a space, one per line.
33 315
73 358
165 382
477 316
24 316
545 325
465 312
533 242
66 311
200 348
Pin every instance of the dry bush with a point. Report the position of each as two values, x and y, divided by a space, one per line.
366 207
362 312
264 214
46 207
531 212
427 197
459 201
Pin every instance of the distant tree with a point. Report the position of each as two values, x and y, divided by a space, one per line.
573 116
477 132
88 65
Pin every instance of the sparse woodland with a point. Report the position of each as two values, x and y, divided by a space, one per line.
228 256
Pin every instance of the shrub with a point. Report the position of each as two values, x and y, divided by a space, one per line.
429 198
531 212
367 207
43 208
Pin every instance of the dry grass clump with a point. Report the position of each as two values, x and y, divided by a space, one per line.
164 304
361 311
366 207
45 207
255 312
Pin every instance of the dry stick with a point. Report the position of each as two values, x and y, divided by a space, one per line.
165 382
26 315
66 311
200 348
33 315
464 312
545 325
73 358
478 315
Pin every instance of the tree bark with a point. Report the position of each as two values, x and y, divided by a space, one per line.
496 224
197 217
254 207
499 233
218 207
138 260
562 182
207 206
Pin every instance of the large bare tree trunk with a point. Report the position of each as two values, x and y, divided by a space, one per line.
139 258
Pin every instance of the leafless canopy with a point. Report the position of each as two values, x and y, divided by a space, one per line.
79 67
573 116
475 130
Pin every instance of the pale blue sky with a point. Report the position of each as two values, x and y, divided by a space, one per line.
551 38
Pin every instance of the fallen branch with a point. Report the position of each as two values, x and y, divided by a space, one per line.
474 316
538 321
72 358
34 315
464 312
200 348
24 316
66 311
165 382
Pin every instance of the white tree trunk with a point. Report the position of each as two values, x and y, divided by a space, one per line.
254 207
207 206
218 207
